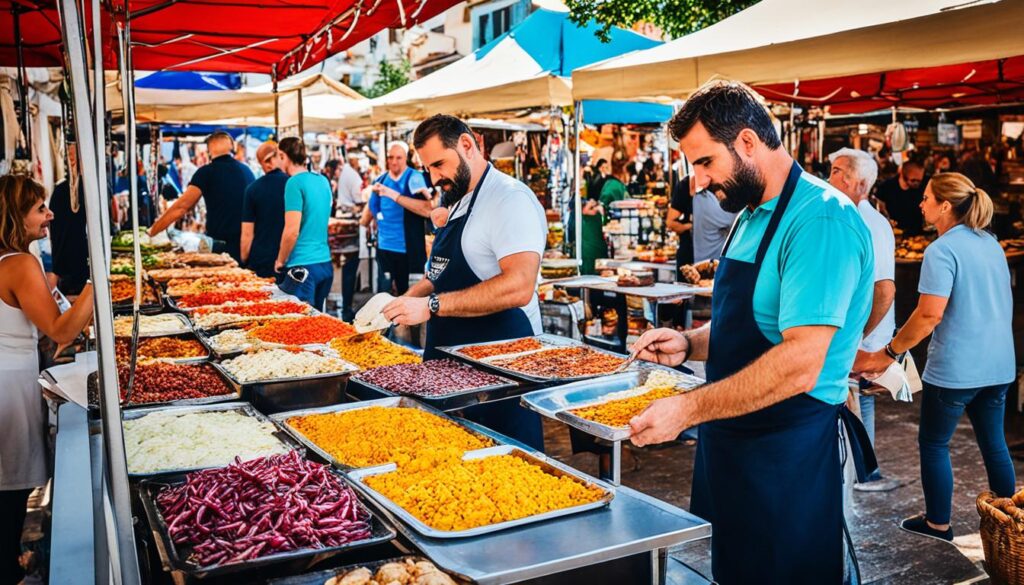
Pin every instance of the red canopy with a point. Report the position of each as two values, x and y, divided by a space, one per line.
280 37
967 84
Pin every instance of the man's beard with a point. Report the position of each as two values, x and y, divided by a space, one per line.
453 190
745 188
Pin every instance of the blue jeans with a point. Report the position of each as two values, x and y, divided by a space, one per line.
317 286
941 409
867 416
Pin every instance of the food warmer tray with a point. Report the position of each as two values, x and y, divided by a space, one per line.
281 394
321 577
243 407
361 389
557 402
551 341
395 402
547 464
186 327
175 560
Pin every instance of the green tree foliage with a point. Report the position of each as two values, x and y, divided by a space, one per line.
675 17
391 77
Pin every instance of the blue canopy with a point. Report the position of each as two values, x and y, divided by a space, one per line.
613 112
190 80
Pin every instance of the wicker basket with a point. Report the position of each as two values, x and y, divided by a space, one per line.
1002 537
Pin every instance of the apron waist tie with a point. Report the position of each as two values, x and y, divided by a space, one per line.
864 460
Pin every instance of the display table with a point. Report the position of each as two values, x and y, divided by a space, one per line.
663 271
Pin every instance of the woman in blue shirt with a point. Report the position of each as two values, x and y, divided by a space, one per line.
307 207
967 307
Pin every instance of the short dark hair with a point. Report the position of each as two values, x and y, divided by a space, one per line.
912 163
447 128
725 108
294 149
330 166
217 135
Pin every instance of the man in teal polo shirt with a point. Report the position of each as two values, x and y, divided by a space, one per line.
792 295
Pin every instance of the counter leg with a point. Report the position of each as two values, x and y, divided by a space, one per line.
659 566
616 463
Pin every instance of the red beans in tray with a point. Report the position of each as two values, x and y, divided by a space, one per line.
260 507
431 378
161 382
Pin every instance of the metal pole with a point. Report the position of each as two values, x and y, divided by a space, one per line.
277 111
299 106
577 200
122 550
100 115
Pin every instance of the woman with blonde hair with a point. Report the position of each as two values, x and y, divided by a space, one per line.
27 306
967 307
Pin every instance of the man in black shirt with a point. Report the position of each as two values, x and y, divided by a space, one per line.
680 220
901 198
263 213
68 241
221 184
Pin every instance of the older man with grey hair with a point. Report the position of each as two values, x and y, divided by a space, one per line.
854 173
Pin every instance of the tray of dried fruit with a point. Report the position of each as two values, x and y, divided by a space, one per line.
122 295
252 500
407 570
180 349
376 432
270 439
602 407
541 358
443 384
476 479
276 380
166 384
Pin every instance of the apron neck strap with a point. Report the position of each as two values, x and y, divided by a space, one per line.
773 224
476 191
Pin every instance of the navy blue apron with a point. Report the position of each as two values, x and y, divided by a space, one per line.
770 482
449 271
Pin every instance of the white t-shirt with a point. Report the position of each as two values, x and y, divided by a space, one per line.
507 219
350 186
884 243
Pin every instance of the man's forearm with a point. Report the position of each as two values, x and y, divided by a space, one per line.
782 372
504 291
288 240
885 291
420 207
167 219
698 341
420 289
679 227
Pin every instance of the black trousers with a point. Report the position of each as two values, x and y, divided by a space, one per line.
12 521
395 264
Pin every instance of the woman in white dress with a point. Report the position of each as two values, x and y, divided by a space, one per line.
26 308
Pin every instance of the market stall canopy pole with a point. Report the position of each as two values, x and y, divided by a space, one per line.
121 539
828 40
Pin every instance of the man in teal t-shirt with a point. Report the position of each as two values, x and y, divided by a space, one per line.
304 255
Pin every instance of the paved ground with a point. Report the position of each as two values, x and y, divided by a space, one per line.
886 554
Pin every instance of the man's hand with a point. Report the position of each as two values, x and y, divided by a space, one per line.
407 310
278 265
664 346
385 191
661 422
874 362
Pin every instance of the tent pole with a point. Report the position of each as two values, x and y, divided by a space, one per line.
301 134
576 200
100 112
122 550
277 111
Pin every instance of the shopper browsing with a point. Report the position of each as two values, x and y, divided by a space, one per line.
304 257
967 307
263 213
901 195
399 204
221 184
27 308
853 173
792 295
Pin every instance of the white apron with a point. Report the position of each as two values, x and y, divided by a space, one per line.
22 414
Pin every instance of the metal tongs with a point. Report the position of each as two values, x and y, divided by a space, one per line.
629 362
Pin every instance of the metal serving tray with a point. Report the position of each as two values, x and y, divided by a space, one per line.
185 360
555 341
321 577
243 407
452 401
175 560
236 395
547 339
281 394
557 402
186 327
395 402
549 465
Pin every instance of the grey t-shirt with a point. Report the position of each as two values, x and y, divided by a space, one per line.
711 225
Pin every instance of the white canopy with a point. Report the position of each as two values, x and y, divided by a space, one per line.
325 104
776 41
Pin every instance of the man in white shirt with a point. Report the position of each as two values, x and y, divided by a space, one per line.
350 184
854 173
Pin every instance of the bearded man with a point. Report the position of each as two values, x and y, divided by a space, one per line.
481 278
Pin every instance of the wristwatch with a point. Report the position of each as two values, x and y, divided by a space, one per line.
891 352
433 303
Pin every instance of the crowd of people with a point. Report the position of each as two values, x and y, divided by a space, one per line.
802 305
